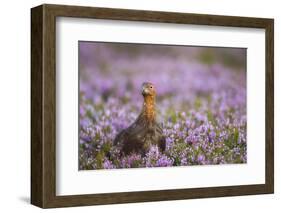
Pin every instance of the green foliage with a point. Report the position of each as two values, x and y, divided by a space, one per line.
207 57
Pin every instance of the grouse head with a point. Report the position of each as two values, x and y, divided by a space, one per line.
148 89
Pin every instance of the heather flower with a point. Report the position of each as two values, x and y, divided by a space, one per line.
108 165
201 158
164 161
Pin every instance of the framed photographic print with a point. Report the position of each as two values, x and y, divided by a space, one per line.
137 106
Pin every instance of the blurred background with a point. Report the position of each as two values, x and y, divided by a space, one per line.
185 71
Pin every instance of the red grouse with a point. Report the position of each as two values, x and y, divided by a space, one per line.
145 131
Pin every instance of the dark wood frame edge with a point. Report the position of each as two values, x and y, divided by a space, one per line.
43 105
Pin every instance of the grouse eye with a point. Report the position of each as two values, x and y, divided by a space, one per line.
150 87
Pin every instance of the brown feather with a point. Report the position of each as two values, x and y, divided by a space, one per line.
145 131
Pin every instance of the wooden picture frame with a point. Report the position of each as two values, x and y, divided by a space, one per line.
43 105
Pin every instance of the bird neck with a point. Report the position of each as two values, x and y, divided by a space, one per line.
149 108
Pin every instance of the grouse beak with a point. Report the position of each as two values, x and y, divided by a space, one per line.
145 91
